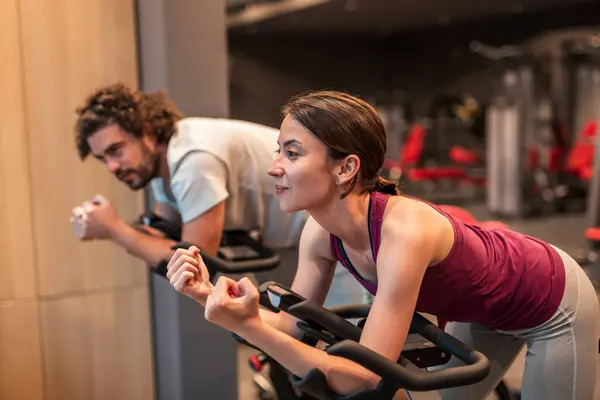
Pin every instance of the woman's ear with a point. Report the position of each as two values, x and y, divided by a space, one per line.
347 169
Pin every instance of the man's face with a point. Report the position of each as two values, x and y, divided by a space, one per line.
133 161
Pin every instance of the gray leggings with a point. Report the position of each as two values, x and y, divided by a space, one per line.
562 353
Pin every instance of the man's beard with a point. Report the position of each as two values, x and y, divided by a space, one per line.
145 173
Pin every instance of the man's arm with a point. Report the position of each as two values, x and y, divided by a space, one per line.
206 230
199 185
151 249
154 249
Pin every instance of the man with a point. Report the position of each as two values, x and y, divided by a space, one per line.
209 175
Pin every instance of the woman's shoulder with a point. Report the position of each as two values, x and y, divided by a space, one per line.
408 217
408 209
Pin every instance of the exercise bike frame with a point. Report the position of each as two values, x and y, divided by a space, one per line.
341 338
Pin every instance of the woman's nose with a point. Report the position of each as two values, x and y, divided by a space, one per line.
275 169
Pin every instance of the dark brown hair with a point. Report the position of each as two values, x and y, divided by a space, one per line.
134 111
346 125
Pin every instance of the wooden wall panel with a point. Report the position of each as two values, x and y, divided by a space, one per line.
120 341
20 360
95 332
97 346
66 344
16 239
71 47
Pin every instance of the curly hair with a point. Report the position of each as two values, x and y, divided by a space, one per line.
134 111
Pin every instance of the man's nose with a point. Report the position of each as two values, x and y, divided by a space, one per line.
113 166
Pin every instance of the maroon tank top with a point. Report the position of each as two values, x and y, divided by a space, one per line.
494 277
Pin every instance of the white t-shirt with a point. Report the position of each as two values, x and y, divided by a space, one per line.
213 160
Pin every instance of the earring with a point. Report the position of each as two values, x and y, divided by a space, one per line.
337 181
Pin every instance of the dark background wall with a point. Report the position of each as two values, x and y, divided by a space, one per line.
267 69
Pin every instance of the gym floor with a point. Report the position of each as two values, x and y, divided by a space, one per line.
564 231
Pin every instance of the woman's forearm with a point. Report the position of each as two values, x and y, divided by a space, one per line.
282 322
343 376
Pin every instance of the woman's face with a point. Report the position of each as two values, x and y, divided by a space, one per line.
304 173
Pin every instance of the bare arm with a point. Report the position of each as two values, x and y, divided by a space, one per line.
154 249
316 267
146 243
406 251
206 230
199 185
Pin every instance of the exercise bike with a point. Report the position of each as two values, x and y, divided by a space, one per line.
427 346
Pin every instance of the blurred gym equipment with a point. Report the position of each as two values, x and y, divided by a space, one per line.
443 156
521 134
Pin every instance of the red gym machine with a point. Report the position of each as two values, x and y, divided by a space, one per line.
454 166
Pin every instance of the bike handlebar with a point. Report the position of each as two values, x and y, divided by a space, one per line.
316 316
350 311
267 260
477 368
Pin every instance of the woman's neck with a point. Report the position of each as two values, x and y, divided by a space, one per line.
347 219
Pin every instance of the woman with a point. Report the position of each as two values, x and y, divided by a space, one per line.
500 289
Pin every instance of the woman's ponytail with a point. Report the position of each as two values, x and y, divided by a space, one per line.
386 186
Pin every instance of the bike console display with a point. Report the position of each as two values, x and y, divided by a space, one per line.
281 297
315 319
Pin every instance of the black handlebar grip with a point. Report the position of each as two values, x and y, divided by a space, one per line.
417 380
351 311
325 319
